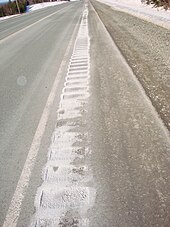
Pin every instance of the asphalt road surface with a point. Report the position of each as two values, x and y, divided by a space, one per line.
30 60
83 141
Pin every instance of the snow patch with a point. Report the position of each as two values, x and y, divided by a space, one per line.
136 8
8 17
42 5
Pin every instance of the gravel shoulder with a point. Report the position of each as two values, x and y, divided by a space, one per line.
146 48
129 147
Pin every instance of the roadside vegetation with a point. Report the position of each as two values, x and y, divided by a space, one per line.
158 3
10 8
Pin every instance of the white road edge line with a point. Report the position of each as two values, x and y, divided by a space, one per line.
14 209
31 25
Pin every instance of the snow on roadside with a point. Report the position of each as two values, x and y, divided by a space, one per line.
136 8
7 17
34 7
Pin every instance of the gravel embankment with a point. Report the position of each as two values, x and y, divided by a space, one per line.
146 48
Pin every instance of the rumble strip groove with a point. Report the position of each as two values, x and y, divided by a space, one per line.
67 192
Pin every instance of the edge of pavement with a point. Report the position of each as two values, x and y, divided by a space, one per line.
139 15
130 144
129 69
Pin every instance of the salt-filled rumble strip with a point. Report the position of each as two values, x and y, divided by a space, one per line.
67 192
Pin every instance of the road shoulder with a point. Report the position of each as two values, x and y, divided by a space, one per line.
131 148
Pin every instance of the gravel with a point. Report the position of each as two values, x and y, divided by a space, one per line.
146 48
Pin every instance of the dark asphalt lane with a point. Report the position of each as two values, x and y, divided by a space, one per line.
29 64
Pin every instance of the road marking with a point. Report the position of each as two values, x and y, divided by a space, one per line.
31 25
67 193
22 185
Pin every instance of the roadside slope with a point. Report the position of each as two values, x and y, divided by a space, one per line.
130 146
146 49
143 11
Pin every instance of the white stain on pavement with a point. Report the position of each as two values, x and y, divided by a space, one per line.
21 80
67 193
